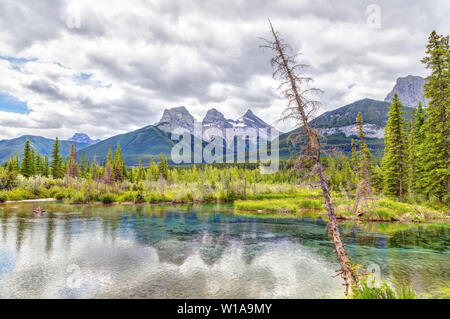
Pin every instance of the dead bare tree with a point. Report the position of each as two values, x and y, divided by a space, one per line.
300 108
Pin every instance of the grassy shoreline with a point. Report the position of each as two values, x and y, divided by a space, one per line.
382 210
299 204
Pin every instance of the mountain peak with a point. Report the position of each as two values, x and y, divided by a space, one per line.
176 118
82 138
251 120
213 115
249 113
409 90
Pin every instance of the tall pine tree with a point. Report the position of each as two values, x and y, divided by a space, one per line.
56 166
435 152
395 160
27 160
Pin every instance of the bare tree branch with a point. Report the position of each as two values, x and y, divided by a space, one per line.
300 108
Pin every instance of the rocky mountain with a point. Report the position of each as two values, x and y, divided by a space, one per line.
337 128
38 143
213 124
176 118
409 90
82 138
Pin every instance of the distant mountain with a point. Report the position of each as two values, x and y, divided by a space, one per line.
337 127
409 90
213 124
142 144
153 140
82 138
38 143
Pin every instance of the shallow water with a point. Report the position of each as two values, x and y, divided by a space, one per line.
147 251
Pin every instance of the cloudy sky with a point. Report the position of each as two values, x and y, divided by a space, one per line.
105 67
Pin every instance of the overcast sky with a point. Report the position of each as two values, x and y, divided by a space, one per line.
108 67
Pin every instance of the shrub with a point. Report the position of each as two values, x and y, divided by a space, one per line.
60 195
107 198
78 198
20 194
139 198
3 197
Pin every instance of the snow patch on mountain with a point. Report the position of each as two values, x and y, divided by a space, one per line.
371 130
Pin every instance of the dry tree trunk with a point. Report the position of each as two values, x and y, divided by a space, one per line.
299 108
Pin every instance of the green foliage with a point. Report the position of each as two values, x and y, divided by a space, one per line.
434 152
107 198
3 197
78 198
27 167
365 291
368 289
56 166
395 160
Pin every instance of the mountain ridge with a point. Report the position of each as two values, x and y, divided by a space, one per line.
38 143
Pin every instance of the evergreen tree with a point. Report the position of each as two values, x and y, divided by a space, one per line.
27 161
435 152
45 168
33 163
163 167
354 155
87 171
118 164
39 164
65 165
17 163
83 165
364 153
153 170
139 173
363 167
412 162
56 166
395 160
418 148
108 174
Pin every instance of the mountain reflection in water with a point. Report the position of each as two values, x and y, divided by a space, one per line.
202 251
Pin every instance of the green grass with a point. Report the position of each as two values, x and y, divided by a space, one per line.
78 198
382 291
385 209
289 205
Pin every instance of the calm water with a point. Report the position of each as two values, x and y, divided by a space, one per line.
201 252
